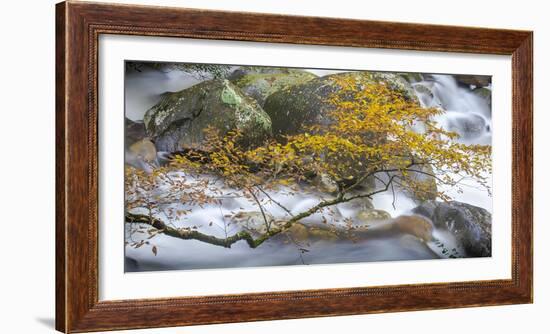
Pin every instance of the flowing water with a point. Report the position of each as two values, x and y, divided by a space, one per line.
466 113
143 89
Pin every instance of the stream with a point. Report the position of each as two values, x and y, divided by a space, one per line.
465 112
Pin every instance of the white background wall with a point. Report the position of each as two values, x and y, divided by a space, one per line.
27 68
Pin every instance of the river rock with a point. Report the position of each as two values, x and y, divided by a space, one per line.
306 104
259 85
383 226
422 88
396 82
348 209
294 108
301 233
321 233
242 71
414 225
425 184
485 94
253 222
297 232
372 214
471 225
473 80
142 154
325 184
135 130
178 121
468 125
411 77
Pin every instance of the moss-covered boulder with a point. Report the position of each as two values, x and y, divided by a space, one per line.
306 104
259 85
178 121
396 82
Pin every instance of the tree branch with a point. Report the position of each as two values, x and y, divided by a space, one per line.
243 235
369 195
274 201
191 234
267 223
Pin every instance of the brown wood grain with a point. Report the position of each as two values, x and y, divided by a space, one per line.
78 27
60 98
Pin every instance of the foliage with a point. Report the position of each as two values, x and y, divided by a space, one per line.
371 134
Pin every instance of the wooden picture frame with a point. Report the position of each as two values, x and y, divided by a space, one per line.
78 27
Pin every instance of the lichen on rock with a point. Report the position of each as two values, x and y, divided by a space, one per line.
260 85
178 121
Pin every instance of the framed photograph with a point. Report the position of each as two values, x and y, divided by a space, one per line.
223 166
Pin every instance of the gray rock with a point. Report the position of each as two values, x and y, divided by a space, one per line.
470 224
178 121
357 205
142 154
324 183
423 89
382 226
135 131
426 188
468 125
306 104
372 214
247 70
485 94
473 80
139 151
253 222
305 233
396 82
412 77
259 85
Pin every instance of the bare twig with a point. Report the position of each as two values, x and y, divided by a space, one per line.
274 201
266 221
230 240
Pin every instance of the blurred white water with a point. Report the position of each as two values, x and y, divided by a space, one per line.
142 90
465 112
